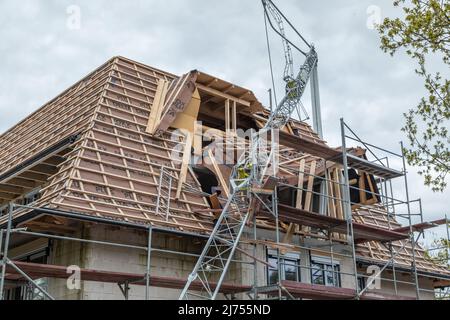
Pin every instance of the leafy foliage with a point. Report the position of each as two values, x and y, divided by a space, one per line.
424 34
438 252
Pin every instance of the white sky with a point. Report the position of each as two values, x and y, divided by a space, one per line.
42 54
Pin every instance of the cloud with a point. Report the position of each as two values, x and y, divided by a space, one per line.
371 90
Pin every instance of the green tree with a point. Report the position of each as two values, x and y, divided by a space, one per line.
424 33
438 252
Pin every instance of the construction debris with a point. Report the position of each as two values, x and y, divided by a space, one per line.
192 174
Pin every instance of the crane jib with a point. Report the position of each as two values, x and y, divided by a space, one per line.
252 167
294 91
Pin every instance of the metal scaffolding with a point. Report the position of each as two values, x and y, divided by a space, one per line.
9 231
269 202
389 203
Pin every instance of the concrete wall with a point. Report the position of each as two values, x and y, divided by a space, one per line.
404 285
116 259
101 257
342 255
66 253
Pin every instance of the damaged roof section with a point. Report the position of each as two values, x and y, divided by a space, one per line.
127 117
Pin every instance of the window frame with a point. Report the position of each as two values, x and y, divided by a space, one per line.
23 291
4 210
324 265
293 259
361 283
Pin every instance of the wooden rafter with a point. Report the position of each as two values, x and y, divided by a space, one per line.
112 170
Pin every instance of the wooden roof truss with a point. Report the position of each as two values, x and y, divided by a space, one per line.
120 115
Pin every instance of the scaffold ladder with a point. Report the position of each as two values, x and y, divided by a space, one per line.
164 193
217 254
250 171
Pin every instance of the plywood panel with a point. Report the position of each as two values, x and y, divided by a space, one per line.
113 170
119 162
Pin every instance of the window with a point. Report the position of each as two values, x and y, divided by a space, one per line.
325 273
3 210
290 267
272 276
26 199
31 197
291 270
26 291
361 283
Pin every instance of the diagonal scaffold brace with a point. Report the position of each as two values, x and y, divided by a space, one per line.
250 172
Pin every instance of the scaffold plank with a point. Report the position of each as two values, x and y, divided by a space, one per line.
36 271
362 233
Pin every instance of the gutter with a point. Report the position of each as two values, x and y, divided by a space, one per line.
40 156
84 217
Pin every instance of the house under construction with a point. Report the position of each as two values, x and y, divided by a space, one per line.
125 186
86 182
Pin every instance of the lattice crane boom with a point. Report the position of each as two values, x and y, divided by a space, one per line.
216 257
270 8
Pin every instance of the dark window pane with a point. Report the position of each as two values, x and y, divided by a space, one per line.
361 283
273 262
326 274
291 270
337 275
273 276
330 276
291 276
317 274
273 272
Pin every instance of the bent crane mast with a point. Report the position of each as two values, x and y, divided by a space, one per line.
250 171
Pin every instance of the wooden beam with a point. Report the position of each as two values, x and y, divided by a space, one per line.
309 194
49 227
362 232
197 143
20 182
441 283
35 176
158 103
44 168
244 94
223 95
306 145
338 195
230 87
362 188
11 189
284 163
7 196
298 203
331 201
309 188
422 226
219 173
184 164
179 97
36 271
209 84
234 116
54 160
227 116
298 200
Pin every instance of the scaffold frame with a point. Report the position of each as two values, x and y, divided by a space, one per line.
255 291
